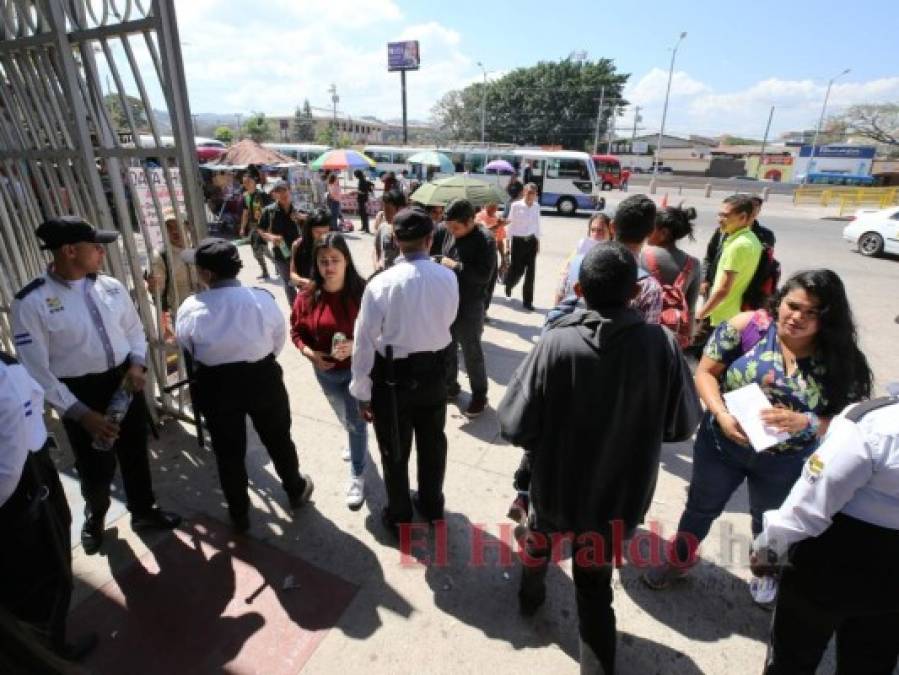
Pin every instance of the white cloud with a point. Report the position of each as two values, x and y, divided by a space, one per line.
697 107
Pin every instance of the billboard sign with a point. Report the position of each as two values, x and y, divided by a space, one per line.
403 55
855 151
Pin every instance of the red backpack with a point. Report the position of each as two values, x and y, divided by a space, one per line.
675 309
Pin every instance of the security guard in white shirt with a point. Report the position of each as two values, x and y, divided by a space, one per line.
406 314
77 333
840 526
35 558
233 334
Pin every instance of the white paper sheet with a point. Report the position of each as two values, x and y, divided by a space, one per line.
745 404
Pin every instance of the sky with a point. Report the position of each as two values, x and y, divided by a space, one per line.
737 60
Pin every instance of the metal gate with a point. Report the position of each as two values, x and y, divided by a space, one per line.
62 151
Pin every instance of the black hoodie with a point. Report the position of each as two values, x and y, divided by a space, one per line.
592 404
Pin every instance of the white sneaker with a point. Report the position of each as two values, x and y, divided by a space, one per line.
355 493
346 456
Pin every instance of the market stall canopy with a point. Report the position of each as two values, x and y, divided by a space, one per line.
338 160
433 158
246 152
443 191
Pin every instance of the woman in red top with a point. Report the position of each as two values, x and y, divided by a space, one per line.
321 326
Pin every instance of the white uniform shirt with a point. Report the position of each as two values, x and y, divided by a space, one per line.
524 220
21 424
854 471
410 307
72 328
229 323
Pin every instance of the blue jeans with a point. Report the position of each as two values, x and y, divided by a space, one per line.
336 386
719 467
334 207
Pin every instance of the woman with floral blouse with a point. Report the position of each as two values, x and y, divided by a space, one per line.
804 356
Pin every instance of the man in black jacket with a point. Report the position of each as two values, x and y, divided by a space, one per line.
591 405
469 250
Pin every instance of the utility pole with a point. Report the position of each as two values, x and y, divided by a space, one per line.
611 130
811 156
602 97
758 168
239 127
655 166
637 119
483 103
334 100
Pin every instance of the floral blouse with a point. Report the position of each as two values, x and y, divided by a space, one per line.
763 363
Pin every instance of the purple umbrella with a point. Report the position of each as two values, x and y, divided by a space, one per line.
499 166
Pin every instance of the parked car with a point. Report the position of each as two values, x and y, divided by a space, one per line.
874 232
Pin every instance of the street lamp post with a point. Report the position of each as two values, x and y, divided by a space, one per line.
821 122
483 102
655 168
335 99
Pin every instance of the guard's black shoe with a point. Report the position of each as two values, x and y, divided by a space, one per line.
77 649
241 523
452 393
416 502
392 526
528 307
299 498
155 519
92 535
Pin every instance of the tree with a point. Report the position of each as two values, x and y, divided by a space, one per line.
224 134
118 116
326 136
303 123
877 121
257 128
551 103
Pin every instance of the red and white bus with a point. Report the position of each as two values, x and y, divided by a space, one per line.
609 171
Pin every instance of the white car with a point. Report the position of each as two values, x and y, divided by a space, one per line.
874 232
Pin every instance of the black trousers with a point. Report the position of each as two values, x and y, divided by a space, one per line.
593 592
97 467
524 263
844 582
363 214
227 394
491 285
421 412
35 558
466 332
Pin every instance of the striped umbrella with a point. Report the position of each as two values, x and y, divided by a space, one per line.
338 160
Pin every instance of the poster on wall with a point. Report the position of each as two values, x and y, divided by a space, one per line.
143 197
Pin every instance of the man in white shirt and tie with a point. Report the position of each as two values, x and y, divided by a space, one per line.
524 230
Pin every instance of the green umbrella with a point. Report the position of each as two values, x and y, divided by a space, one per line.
443 191
433 158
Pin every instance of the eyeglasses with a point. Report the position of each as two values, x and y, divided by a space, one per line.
809 314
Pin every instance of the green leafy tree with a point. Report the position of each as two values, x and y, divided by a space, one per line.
257 128
223 134
326 136
303 124
118 116
551 103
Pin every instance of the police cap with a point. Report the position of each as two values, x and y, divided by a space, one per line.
64 230
412 223
216 255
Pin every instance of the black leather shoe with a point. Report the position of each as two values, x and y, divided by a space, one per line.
77 649
298 499
155 519
240 524
416 502
92 535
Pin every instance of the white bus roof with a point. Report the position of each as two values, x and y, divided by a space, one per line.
551 154
297 146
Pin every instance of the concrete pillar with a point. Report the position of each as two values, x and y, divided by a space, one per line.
765 193
652 186
708 190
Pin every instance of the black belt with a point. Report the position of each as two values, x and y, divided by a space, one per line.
95 378
526 237
232 366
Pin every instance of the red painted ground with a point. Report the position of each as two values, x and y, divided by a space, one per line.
203 601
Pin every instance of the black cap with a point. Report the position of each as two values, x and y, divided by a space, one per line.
280 185
216 255
412 223
64 230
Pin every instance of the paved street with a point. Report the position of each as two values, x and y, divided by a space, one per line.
460 617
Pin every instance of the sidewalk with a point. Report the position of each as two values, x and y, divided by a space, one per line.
451 616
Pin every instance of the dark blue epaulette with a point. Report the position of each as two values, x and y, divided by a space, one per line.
33 285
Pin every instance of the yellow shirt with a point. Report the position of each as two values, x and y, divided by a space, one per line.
740 253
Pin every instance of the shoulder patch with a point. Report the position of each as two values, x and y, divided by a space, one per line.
264 290
32 285
7 359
